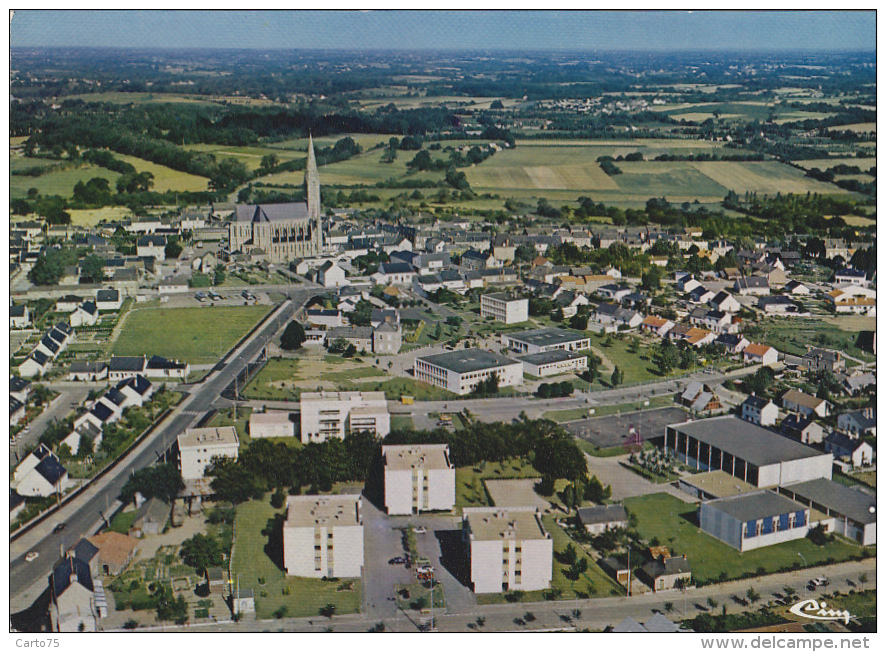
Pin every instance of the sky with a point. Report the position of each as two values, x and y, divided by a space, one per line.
459 30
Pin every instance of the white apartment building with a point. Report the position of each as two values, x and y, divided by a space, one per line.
335 414
509 549
505 308
197 447
461 371
418 478
323 536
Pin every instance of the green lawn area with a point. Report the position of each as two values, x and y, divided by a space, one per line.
561 416
275 369
394 388
165 178
122 522
795 336
402 422
672 522
259 572
194 335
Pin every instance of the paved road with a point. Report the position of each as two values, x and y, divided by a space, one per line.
595 614
85 513
64 403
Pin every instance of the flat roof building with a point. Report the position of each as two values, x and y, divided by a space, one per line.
323 536
418 478
197 447
509 549
754 520
461 371
747 451
854 511
553 363
714 484
335 414
271 424
504 308
540 340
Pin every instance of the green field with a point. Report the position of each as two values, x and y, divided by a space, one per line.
92 216
796 335
257 571
250 156
193 335
59 182
673 522
165 178
119 97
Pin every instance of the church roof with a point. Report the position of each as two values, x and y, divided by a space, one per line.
271 212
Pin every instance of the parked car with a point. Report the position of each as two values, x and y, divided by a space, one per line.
397 560
421 529
31 556
58 528
819 582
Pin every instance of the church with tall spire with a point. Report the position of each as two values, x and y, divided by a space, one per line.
282 231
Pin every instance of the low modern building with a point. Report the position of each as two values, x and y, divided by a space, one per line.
553 363
854 511
418 478
335 414
760 411
713 484
509 549
754 454
271 424
323 536
198 446
754 520
461 371
541 340
600 518
504 307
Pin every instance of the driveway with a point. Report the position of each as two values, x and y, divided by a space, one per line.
626 483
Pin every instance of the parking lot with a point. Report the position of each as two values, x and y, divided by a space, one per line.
606 432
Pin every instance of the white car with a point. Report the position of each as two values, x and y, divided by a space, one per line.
31 556
421 529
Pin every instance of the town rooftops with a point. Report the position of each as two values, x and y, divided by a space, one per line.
102 412
547 336
750 442
139 384
198 437
752 282
17 383
331 511
39 357
152 241
395 268
107 295
602 514
757 505
426 456
495 523
156 362
84 550
70 569
468 360
80 366
852 503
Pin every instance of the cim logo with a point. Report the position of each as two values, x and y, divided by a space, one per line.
815 610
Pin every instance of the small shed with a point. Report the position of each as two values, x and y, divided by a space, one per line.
216 579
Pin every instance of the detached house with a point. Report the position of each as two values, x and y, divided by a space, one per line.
794 400
656 325
760 354
762 412
19 317
751 285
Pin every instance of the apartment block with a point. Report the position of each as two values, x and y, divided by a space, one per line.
505 308
509 549
461 371
418 478
197 447
335 414
323 536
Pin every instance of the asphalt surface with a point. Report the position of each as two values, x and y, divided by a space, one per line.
84 514
615 430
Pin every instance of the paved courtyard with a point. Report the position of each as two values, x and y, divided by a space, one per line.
615 430
516 493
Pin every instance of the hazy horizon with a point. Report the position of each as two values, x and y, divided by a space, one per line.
518 31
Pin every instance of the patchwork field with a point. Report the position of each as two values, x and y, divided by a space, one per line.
194 335
59 182
250 156
117 97
863 164
763 177
859 128
92 216
166 178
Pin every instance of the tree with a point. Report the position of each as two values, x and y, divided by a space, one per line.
651 280
49 268
173 249
863 579
163 481
668 607
421 161
349 352
752 595
617 377
525 253
92 269
219 274
168 608
229 174
268 161
328 610
293 337
233 482
201 552
579 322
712 603
666 357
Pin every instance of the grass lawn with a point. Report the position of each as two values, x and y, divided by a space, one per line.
194 335
795 336
165 178
92 216
866 477
673 522
59 182
561 416
402 422
469 489
261 573
122 522
394 388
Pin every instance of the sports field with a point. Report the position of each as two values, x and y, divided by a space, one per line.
193 335
166 178
59 182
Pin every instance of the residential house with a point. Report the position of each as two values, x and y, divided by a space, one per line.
122 367
86 314
751 285
387 338
48 477
157 367
394 273
600 518
656 325
778 304
198 446
150 518
87 371
472 259
664 573
857 382
331 275
859 422
701 295
151 245
794 400
699 398
817 359
173 285
115 551
19 388
760 411
732 342
108 299
327 318
843 447
16 411
19 317
760 354
72 597
610 313
613 291
802 429
36 364
68 303
796 288
850 276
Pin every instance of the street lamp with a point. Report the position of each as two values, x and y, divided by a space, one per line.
805 584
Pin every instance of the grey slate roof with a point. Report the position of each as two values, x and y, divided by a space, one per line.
17 383
126 363
102 412
84 550
669 566
60 579
759 446
848 502
107 295
602 514
51 469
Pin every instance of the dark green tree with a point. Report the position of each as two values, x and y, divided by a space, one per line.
293 336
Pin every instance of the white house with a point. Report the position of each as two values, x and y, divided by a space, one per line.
418 478
859 422
73 597
323 536
36 364
656 325
794 400
108 299
394 273
19 317
45 478
760 354
151 245
725 302
759 411
509 549
600 518
335 414
86 314
330 275
198 446
751 285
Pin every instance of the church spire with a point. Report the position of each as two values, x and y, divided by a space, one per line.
312 181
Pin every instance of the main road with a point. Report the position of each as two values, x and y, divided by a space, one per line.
82 515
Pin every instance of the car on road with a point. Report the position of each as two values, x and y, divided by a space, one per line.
31 556
819 582
58 528
421 529
397 560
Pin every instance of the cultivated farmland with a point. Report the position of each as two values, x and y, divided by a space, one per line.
166 178
59 182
